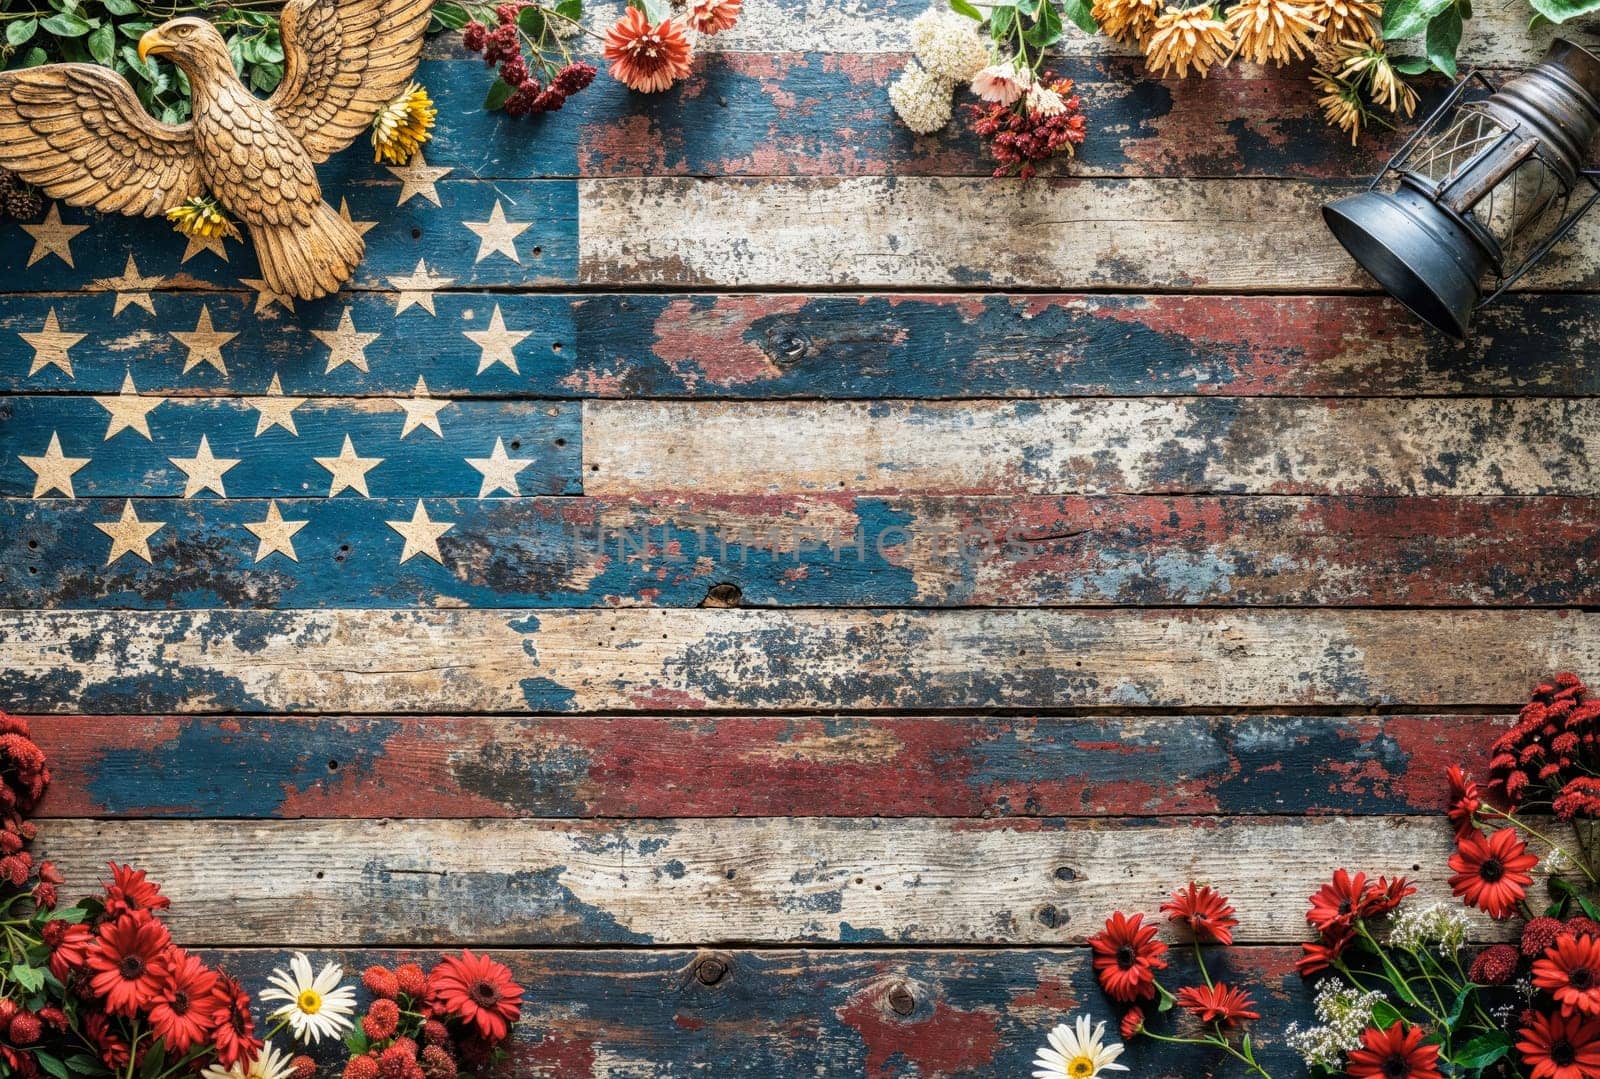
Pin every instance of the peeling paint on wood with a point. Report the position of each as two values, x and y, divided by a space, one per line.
379 662
814 551
974 1014
1259 445
1216 235
831 346
724 881
736 766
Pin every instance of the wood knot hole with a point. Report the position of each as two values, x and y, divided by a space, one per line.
901 999
710 970
725 594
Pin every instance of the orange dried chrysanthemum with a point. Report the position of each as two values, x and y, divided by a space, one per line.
713 16
644 57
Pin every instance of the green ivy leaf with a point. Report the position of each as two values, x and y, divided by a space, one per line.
21 31
961 7
66 24
1046 29
28 977
500 92
450 17
1562 10
531 21
1082 15
52 1064
1411 65
1483 1050
570 9
1444 37
103 43
1406 18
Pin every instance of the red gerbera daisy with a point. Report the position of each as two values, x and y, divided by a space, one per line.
1465 799
1561 1046
1126 957
235 1033
1132 1023
69 947
1336 905
477 990
1319 955
1219 1003
185 1008
128 961
1492 873
1394 1054
130 890
644 57
1570 969
1204 910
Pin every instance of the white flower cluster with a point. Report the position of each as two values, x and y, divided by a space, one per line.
1344 1013
948 45
949 50
921 99
1442 925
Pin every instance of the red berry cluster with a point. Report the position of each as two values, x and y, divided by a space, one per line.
1019 136
502 46
1547 756
434 1025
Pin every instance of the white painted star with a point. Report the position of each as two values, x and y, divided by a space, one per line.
51 237
497 344
276 535
417 178
129 410
421 534
53 471
132 288
204 471
204 343
198 244
345 344
348 469
498 235
417 288
361 227
129 535
276 409
422 410
266 296
50 346
499 470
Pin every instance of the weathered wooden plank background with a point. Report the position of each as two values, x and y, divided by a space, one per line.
839 578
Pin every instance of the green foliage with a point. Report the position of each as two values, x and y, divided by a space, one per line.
107 32
1029 28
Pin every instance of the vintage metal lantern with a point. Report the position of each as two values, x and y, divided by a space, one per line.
1482 191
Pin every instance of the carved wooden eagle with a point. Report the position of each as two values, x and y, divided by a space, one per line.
78 131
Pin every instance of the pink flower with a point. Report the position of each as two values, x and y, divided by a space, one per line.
1002 83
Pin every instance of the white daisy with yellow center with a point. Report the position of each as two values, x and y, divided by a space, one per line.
269 1064
1077 1054
313 1005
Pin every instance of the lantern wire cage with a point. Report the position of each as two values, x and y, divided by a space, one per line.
1512 216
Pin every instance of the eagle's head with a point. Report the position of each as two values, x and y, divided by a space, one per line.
192 44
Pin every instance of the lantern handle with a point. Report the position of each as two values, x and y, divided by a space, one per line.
1452 99
1566 226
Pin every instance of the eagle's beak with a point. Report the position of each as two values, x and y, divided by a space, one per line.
151 42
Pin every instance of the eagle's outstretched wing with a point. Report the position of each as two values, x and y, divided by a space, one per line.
78 132
345 60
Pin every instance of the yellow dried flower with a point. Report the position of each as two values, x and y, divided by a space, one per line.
1358 61
1187 37
1341 104
1271 31
201 216
1348 20
1127 21
403 125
